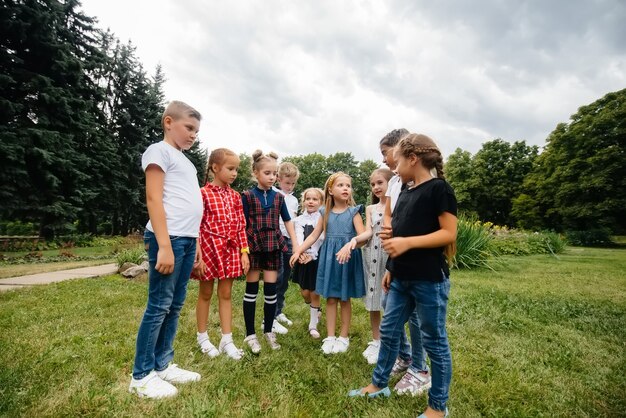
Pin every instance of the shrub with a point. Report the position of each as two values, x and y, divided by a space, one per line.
473 245
131 255
599 237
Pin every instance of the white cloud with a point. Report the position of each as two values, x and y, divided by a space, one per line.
303 77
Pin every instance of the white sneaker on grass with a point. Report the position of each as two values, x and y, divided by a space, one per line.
276 327
283 319
152 386
253 343
271 340
327 344
341 345
175 374
230 349
371 352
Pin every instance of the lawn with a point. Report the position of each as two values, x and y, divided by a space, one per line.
541 336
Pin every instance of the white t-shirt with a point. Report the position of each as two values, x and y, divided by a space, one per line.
181 193
308 219
394 187
292 206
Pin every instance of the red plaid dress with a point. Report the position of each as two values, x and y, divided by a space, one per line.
222 232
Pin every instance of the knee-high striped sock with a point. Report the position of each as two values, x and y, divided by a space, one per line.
269 308
249 306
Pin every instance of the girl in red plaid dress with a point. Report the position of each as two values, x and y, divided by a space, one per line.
224 249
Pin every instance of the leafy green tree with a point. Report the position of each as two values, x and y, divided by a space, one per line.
361 182
458 171
579 181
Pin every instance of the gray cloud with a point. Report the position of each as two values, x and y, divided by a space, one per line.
336 76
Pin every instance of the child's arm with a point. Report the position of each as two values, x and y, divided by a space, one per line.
241 234
385 230
343 255
444 236
310 240
155 178
292 234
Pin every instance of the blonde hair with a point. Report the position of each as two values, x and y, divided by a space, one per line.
387 175
177 109
329 202
288 169
320 194
425 148
258 159
218 156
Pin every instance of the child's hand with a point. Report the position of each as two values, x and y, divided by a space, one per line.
344 254
294 258
386 281
305 258
165 260
396 246
385 232
245 263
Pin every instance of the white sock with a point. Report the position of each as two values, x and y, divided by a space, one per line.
376 343
202 336
314 317
227 338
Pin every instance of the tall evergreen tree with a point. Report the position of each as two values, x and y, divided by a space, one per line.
46 48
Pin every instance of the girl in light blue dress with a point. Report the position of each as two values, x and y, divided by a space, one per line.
340 269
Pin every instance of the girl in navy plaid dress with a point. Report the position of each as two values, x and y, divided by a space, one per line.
340 269
262 207
224 249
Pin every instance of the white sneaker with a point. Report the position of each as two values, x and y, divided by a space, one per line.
327 344
283 318
230 349
271 340
175 374
371 352
277 327
209 349
341 345
253 343
152 386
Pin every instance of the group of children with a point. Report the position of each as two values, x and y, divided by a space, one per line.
409 231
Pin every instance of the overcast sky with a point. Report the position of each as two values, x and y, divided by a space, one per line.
298 77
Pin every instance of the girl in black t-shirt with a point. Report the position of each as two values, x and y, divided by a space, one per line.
422 237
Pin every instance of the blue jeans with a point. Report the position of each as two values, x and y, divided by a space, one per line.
413 352
431 301
282 283
166 295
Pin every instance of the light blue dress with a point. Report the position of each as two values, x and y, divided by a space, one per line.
334 280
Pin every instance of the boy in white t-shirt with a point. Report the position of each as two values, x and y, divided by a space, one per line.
175 209
288 175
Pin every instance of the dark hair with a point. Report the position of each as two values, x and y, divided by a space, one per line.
393 137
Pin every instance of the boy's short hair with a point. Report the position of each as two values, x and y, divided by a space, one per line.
177 109
393 137
288 169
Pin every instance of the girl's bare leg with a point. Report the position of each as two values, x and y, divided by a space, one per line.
224 290
203 305
331 316
346 316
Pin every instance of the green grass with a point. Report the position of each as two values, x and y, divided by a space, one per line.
540 336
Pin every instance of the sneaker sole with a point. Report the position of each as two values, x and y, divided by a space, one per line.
407 391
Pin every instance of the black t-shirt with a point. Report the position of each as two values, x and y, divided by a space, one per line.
417 213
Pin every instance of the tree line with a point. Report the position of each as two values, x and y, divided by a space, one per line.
77 110
576 183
